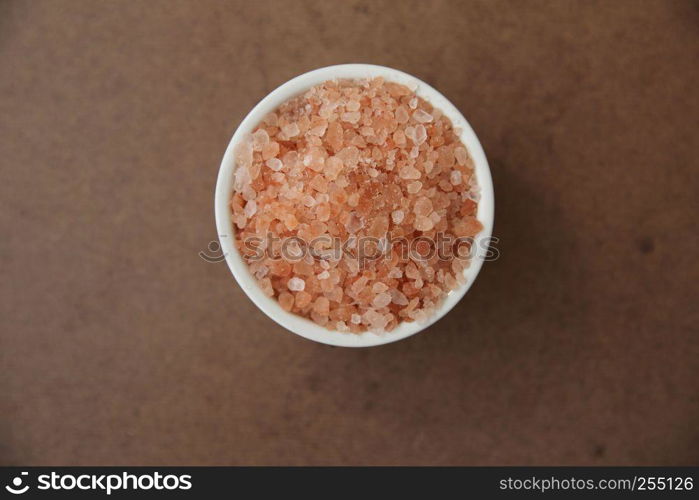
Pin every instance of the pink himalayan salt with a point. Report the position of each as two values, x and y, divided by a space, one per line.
270 150
422 116
291 130
420 134
322 306
423 206
286 300
398 297
461 155
414 187
395 273
423 223
260 139
409 172
296 284
381 300
401 114
302 299
274 164
250 208
348 159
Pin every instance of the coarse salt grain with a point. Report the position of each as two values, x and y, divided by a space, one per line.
381 300
422 116
274 164
291 130
296 284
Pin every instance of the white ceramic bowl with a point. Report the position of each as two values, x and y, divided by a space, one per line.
224 187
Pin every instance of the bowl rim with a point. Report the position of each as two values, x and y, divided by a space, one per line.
224 183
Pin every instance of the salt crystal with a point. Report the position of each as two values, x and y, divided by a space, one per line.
399 137
291 222
351 117
423 223
379 287
397 216
455 177
322 306
335 294
395 273
373 318
356 319
418 315
333 167
291 130
296 284
318 127
461 155
420 134
249 193
270 150
410 134
260 138
271 119
409 172
413 103
262 271
349 156
324 275
250 208
423 206
319 183
402 114
381 300
266 285
341 181
411 271
367 131
323 212
422 116
399 298
274 164
321 319
352 106
414 187
286 300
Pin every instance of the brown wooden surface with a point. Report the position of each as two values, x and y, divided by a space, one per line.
119 345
